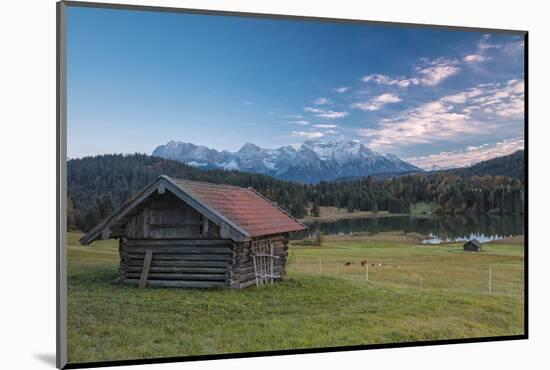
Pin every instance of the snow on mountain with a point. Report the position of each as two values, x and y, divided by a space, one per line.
312 162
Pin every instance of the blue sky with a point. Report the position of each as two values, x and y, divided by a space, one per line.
435 97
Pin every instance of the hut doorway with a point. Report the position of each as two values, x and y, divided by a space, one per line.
264 260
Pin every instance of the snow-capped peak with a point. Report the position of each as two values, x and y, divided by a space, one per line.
312 161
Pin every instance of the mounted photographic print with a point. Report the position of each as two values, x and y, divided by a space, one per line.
236 185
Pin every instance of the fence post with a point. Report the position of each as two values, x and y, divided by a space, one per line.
320 266
367 272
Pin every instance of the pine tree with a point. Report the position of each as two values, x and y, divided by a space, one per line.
315 210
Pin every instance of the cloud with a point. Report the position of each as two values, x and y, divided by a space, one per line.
341 90
487 50
325 126
377 102
474 58
437 71
293 116
326 113
505 100
387 98
321 101
429 73
389 81
308 134
301 122
484 43
475 111
332 114
469 155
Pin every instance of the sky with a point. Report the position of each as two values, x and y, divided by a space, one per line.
138 79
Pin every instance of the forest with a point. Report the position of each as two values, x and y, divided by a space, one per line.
100 184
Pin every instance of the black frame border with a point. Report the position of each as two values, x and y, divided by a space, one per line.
61 188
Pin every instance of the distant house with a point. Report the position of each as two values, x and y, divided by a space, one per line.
473 245
180 233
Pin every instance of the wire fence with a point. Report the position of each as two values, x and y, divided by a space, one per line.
491 280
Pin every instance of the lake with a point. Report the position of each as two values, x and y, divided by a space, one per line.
438 229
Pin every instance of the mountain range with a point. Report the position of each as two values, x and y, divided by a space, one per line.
312 162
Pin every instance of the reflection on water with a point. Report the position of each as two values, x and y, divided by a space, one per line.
438 229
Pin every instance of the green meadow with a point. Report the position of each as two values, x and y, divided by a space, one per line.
363 290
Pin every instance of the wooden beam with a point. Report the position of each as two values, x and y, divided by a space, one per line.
145 270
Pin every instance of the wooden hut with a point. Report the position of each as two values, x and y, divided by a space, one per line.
180 233
473 245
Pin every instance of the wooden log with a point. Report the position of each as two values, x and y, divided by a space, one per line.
250 267
179 283
183 257
246 277
246 284
172 242
172 276
181 250
180 270
145 272
179 263
174 225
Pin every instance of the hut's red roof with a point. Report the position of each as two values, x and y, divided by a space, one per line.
246 208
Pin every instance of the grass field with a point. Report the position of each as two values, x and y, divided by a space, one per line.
414 292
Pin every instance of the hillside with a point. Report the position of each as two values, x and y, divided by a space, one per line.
512 165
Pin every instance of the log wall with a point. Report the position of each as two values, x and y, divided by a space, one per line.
241 271
177 263
195 263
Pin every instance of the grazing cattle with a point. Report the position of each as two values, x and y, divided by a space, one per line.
363 262
348 263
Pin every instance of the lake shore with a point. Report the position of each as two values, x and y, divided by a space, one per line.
330 214
407 238
513 240
382 237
